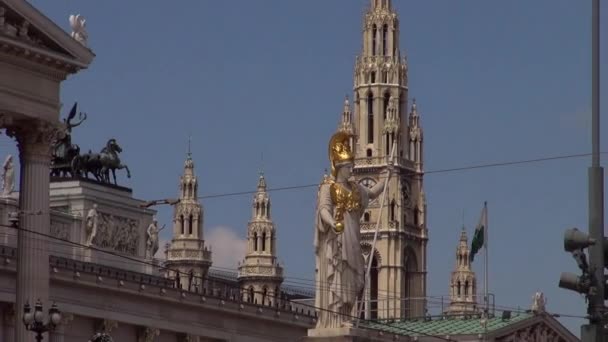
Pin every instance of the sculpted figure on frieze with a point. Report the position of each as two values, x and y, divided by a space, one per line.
8 176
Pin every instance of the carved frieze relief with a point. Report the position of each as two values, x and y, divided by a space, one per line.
117 233
60 230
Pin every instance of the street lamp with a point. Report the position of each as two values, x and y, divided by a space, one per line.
34 321
101 337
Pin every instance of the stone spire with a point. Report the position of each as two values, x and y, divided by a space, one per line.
380 83
381 5
463 285
187 251
346 122
260 274
416 138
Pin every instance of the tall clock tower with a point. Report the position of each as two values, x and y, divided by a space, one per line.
379 119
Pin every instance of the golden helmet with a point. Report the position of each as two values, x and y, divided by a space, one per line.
339 150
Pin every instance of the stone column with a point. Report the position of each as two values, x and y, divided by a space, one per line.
34 139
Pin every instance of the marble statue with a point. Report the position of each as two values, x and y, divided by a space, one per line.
91 225
79 32
539 302
421 208
152 239
340 266
8 177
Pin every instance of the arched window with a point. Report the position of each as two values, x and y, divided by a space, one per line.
263 209
387 99
257 208
366 217
372 77
268 210
255 241
264 295
369 152
388 144
373 288
415 216
384 39
181 221
191 225
466 288
411 290
370 118
458 288
264 242
374 34
392 210
276 295
251 294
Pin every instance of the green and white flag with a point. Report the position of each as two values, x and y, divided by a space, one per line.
480 238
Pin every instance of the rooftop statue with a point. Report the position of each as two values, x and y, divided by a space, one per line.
340 266
79 31
64 151
8 177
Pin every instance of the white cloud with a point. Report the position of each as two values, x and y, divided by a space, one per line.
227 247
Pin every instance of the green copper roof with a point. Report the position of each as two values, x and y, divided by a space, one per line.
448 326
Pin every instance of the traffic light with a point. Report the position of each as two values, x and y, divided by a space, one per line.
576 242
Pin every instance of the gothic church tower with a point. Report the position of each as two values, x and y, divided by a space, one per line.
187 252
463 285
379 119
260 274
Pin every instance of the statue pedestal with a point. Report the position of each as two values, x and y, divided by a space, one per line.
347 335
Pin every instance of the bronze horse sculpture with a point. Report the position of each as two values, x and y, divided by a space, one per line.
100 164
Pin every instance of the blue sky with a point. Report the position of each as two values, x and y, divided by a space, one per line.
494 81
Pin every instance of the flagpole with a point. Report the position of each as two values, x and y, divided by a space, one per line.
371 252
485 247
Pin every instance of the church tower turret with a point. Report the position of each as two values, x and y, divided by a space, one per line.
187 252
463 285
260 274
380 119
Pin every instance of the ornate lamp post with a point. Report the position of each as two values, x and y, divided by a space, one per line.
101 337
34 321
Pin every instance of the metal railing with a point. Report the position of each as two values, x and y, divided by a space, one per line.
424 308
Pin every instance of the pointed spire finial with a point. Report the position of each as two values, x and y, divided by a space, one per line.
189 164
189 146
463 229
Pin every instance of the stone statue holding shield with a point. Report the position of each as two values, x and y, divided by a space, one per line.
340 266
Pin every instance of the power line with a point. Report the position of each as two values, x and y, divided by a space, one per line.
438 171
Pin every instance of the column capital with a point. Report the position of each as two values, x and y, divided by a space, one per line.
106 325
148 334
35 138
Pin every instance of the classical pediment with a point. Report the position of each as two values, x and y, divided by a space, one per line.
27 33
541 327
